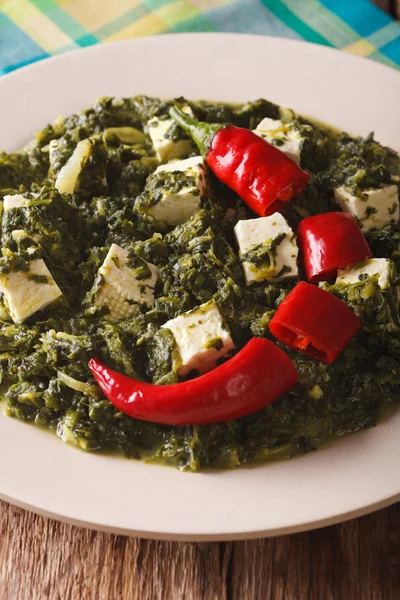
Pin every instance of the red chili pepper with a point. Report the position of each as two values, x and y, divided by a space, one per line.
315 322
330 241
261 174
253 378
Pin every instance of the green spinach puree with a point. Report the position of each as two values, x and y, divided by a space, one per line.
43 360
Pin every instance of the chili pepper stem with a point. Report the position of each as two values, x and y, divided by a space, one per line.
201 133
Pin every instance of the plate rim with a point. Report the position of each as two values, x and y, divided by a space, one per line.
195 34
205 537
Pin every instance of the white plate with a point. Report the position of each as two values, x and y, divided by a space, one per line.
357 474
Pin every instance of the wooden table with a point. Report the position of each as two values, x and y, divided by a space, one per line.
41 559
358 560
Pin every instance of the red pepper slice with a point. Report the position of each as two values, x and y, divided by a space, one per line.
262 175
330 241
315 322
253 378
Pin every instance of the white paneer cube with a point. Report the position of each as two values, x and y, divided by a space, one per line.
268 249
17 200
202 338
365 269
165 147
27 292
284 136
373 209
178 205
193 167
175 209
121 285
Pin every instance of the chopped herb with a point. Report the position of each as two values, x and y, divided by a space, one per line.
38 278
197 261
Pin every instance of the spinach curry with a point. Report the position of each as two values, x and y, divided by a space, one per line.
91 181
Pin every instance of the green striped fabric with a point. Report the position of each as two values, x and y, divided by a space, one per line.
34 29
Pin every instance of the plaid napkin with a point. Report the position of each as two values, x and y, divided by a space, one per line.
34 29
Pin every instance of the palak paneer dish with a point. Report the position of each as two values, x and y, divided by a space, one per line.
199 284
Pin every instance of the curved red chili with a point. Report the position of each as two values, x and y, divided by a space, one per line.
259 172
315 322
253 378
330 241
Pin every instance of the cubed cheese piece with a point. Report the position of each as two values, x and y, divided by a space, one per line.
121 284
182 191
202 338
373 209
161 134
268 249
17 200
27 292
365 269
175 209
284 136
193 167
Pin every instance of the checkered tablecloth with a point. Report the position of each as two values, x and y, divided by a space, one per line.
34 29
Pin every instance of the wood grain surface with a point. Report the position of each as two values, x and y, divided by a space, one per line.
390 6
41 559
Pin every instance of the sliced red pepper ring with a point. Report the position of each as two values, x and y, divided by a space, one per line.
263 176
315 322
259 374
330 241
